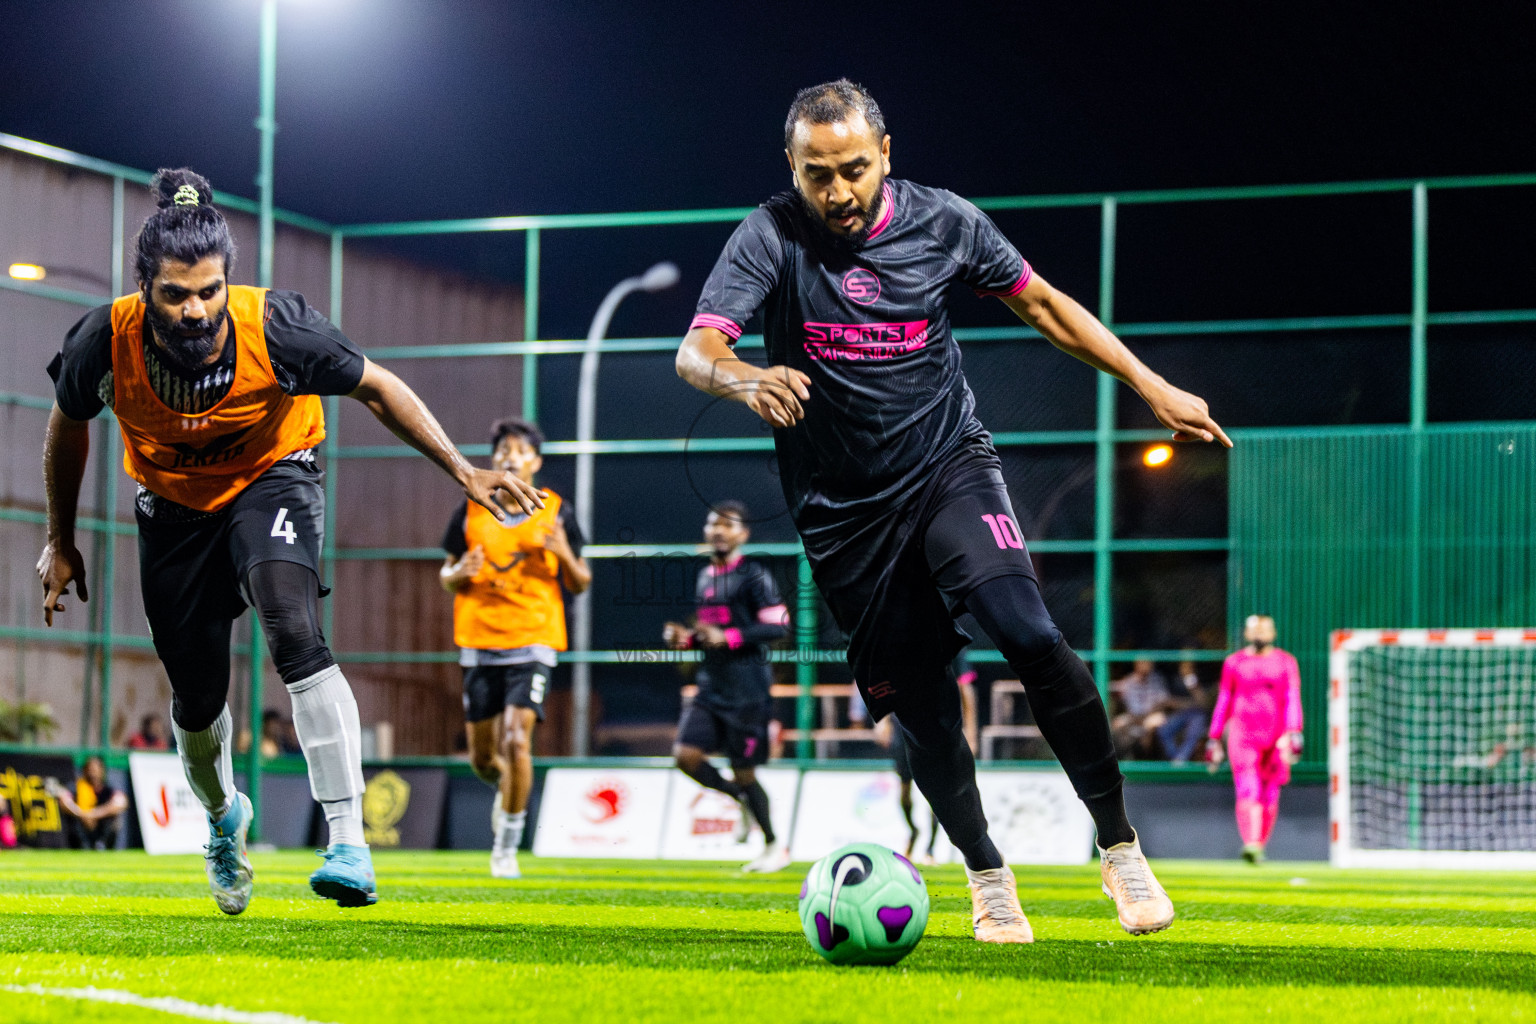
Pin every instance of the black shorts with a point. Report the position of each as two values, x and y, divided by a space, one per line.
488 689
895 583
193 572
740 733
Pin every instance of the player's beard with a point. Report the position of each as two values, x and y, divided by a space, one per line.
187 344
856 239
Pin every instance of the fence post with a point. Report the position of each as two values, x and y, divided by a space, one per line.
1104 464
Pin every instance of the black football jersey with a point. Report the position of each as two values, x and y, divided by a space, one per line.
742 599
870 325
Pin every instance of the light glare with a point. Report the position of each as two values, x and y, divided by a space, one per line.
1157 455
28 272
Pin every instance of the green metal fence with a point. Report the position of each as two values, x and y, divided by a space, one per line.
1387 528
1104 546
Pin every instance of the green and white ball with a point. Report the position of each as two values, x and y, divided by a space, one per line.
863 904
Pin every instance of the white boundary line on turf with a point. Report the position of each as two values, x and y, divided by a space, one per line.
165 1004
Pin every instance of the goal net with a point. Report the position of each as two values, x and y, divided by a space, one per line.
1432 748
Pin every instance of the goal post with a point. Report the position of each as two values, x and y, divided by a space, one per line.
1432 748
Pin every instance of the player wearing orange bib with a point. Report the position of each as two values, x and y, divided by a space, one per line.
509 622
215 387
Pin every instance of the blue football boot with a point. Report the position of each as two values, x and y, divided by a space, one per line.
346 876
230 874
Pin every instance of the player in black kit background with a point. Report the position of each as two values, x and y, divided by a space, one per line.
892 482
739 614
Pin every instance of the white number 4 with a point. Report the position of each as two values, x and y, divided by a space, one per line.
282 526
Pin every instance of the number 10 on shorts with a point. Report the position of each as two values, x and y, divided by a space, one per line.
282 526
1004 532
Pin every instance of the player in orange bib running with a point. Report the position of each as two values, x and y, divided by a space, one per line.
509 620
215 387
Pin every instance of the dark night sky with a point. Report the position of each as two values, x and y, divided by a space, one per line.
405 109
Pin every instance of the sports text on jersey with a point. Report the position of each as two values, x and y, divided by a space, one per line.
864 341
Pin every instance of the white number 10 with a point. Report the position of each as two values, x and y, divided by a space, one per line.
282 526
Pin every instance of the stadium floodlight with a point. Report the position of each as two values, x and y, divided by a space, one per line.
661 276
1432 748
1157 456
28 271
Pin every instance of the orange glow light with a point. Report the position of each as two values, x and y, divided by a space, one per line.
28 272
1157 455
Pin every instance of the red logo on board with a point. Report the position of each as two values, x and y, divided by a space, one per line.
862 286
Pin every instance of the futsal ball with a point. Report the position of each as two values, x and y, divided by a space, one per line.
863 904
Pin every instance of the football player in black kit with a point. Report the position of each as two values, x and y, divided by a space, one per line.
739 615
893 484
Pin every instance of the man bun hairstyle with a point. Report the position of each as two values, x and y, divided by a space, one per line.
187 227
831 102
514 427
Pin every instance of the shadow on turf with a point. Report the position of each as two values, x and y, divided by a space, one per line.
1139 961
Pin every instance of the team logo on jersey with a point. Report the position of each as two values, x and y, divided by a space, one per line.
221 449
862 286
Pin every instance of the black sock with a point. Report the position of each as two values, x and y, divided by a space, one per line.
706 776
757 799
1062 696
945 772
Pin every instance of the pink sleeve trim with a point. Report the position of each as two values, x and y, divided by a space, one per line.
725 326
733 638
966 678
774 615
1018 286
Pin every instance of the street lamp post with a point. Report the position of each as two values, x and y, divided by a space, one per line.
659 277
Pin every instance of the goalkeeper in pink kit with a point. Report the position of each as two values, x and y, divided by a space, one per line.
1259 709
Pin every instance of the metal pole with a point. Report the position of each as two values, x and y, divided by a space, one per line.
266 124
329 448
662 275
1418 401
1104 451
805 641
531 324
108 492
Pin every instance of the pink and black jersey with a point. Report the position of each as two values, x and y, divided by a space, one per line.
742 599
870 325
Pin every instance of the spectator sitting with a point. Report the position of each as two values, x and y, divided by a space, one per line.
1182 733
151 735
1141 701
94 815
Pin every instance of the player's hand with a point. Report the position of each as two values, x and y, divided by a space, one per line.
482 485
472 562
1289 747
1214 754
1185 414
710 635
58 566
676 635
558 543
776 395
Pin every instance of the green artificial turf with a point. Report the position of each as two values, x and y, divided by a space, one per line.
631 942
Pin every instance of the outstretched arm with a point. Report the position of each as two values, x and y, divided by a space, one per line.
706 360
408 418
66 446
1074 330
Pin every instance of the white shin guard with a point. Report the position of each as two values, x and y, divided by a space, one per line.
205 757
325 718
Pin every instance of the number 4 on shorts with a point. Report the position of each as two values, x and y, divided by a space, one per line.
282 526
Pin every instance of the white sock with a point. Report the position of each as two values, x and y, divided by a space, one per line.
498 823
325 718
205 757
512 830
344 818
